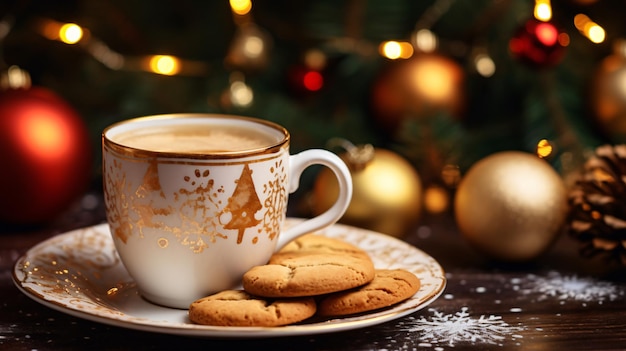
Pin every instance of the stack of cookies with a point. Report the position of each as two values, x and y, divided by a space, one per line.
312 275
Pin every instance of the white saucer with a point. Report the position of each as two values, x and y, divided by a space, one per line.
79 273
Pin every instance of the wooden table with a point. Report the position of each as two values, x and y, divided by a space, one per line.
558 302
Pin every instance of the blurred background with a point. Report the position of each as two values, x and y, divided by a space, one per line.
429 87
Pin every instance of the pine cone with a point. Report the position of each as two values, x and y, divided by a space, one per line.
597 203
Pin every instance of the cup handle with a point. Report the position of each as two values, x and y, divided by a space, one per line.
297 164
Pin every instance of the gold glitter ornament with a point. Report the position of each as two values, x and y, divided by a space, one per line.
511 205
387 195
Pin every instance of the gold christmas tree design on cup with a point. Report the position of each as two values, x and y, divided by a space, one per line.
243 204
195 200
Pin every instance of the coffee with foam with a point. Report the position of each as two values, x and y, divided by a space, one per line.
198 138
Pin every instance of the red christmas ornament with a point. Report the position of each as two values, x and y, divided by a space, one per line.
45 154
539 44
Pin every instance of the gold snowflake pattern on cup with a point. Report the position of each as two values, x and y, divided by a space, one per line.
199 206
117 211
275 201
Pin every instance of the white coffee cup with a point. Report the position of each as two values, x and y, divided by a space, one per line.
195 200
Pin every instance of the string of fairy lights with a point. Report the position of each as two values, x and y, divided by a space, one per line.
251 46
422 40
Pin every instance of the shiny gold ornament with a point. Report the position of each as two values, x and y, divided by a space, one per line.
423 86
387 195
511 206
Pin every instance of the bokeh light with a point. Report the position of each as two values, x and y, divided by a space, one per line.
241 95
396 50
436 199
164 64
425 40
241 7
70 33
313 81
593 31
544 148
484 65
547 34
543 10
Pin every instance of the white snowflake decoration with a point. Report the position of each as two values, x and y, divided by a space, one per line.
449 329
574 288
